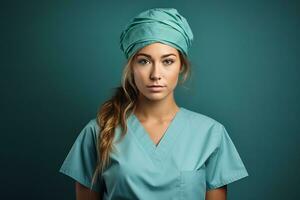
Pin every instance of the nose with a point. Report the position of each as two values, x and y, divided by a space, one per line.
155 72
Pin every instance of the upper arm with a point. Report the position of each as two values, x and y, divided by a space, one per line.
84 193
224 165
81 161
217 194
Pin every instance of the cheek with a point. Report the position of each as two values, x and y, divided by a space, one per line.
173 78
138 77
173 81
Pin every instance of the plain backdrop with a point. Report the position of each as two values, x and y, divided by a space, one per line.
61 59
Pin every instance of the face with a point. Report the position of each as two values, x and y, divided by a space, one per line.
156 64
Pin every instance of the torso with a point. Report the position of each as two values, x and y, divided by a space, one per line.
151 162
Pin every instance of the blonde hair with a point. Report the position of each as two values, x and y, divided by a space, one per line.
116 110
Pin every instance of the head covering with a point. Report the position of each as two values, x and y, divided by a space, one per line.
163 25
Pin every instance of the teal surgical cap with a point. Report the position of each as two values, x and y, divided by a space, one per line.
164 25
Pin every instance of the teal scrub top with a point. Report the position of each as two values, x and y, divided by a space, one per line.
194 155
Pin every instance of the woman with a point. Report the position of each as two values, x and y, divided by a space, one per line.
148 147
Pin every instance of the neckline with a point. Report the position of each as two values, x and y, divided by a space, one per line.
157 153
165 135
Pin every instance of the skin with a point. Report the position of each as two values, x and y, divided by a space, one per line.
148 66
157 64
84 193
217 194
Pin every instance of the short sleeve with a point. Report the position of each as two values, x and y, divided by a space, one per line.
224 166
81 160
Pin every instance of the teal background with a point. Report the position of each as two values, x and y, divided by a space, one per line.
61 59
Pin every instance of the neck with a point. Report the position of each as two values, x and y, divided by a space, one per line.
158 110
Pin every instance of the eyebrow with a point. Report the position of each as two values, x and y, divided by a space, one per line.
163 56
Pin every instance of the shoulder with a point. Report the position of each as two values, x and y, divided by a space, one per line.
204 126
92 123
90 129
198 118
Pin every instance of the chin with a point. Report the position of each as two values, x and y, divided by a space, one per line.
155 96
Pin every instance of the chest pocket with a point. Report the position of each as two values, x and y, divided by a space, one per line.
192 184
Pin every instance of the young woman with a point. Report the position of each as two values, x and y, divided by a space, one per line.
142 145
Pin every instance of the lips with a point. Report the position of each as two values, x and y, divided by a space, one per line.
155 86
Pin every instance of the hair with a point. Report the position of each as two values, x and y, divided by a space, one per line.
115 111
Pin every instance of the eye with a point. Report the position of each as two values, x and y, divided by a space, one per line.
142 61
169 61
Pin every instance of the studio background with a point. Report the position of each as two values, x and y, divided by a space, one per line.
61 59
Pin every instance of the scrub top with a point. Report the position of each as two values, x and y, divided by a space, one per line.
194 155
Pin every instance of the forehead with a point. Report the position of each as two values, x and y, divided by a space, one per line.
157 49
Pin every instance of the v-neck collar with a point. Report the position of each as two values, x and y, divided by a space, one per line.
158 152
